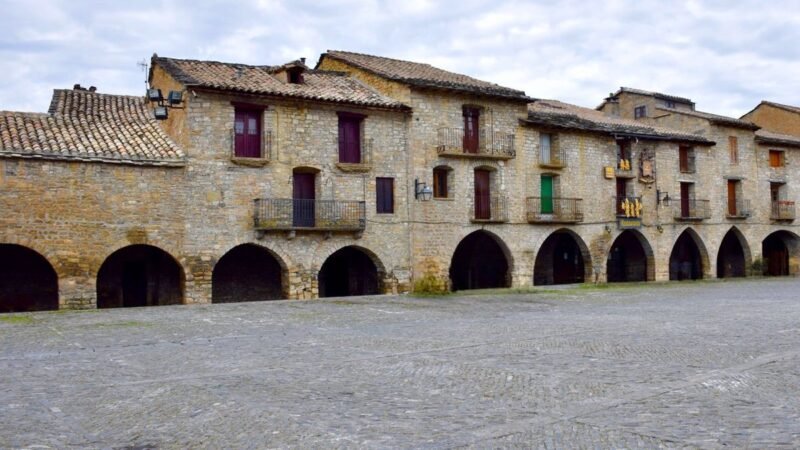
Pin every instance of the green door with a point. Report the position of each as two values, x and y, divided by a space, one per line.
547 194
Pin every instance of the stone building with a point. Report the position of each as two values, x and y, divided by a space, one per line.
367 174
775 117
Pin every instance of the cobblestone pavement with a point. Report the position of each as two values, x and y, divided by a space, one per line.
708 365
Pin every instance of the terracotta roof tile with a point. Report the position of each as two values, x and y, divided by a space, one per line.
317 84
564 115
714 118
424 75
87 126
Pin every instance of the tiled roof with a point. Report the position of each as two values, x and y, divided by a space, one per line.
789 108
558 114
769 138
653 94
317 85
423 75
714 118
87 126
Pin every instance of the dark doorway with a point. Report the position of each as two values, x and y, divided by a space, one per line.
471 130
479 263
349 271
483 194
559 261
686 261
303 196
139 275
27 281
731 261
776 250
627 260
247 273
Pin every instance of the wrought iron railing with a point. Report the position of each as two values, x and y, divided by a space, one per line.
692 209
554 209
365 156
556 157
452 141
265 149
293 214
782 210
489 208
740 209
629 207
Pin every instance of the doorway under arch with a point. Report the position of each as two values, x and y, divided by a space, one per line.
349 271
733 256
247 273
777 250
630 259
27 280
480 262
562 259
687 260
139 275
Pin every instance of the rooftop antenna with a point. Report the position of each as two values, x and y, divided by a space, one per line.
144 66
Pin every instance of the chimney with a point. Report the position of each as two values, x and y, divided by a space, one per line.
303 60
77 87
92 89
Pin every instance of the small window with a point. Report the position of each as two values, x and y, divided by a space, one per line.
686 159
440 182
777 158
733 149
384 189
295 76
639 112
669 104
247 133
350 138
548 150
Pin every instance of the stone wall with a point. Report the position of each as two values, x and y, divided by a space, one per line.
775 119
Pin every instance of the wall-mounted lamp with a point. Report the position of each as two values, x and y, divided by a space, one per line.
154 95
161 112
173 100
422 191
663 200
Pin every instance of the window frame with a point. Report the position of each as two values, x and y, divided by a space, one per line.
384 195
243 150
781 158
640 111
441 190
356 122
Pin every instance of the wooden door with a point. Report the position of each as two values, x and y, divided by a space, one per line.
247 134
303 200
685 202
732 210
547 194
349 140
483 207
471 130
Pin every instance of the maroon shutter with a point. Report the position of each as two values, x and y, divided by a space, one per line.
471 130
349 139
384 191
482 195
303 197
685 206
247 131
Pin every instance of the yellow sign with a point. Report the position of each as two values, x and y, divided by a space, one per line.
630 223
609 171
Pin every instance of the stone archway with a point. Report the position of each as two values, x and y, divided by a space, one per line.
480 261
630 259
139 275
733 257
27 280
349 271
562 258
688 259
780 252
247 273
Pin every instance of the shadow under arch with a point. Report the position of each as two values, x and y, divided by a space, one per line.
781 251
480 261
247 273
630 258
733 257
140 275
351 270
562 258
28 281
689 257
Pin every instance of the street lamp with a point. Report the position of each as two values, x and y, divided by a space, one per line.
422 191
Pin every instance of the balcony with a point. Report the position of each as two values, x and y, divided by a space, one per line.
628 207
359 162
489 145
296 214
261 157
691 209
554 210
738 210
489 209
556 158
782 210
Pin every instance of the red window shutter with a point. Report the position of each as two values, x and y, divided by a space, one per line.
247 133
384 190
349 139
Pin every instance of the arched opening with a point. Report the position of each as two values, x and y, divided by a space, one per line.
247 273
562 259
349 271
733 256
686 259
27 281
630 259
777 250
479 262
139 275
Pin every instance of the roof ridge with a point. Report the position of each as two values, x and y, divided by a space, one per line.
211 61
389 58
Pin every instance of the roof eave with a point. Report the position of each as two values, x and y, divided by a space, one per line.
401 107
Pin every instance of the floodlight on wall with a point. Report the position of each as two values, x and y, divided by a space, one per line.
154 95
422 191
175 98
161 112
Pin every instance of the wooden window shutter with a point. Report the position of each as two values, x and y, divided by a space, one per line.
733 146
384 193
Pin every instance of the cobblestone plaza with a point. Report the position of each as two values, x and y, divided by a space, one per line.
681 365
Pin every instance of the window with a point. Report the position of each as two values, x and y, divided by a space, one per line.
777 158
624 155
733 149
735 209
669 104
295 76
686 159
350 137
471 129
440 182
247 133
549 154
384 190
639 112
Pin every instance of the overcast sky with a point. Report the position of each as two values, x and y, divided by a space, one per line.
725 55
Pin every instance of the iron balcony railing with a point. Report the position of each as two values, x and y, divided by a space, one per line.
629 207
294 214
555 158
554 210
265 149
489 208
452 141
782 210
739 209
364 157
692 209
